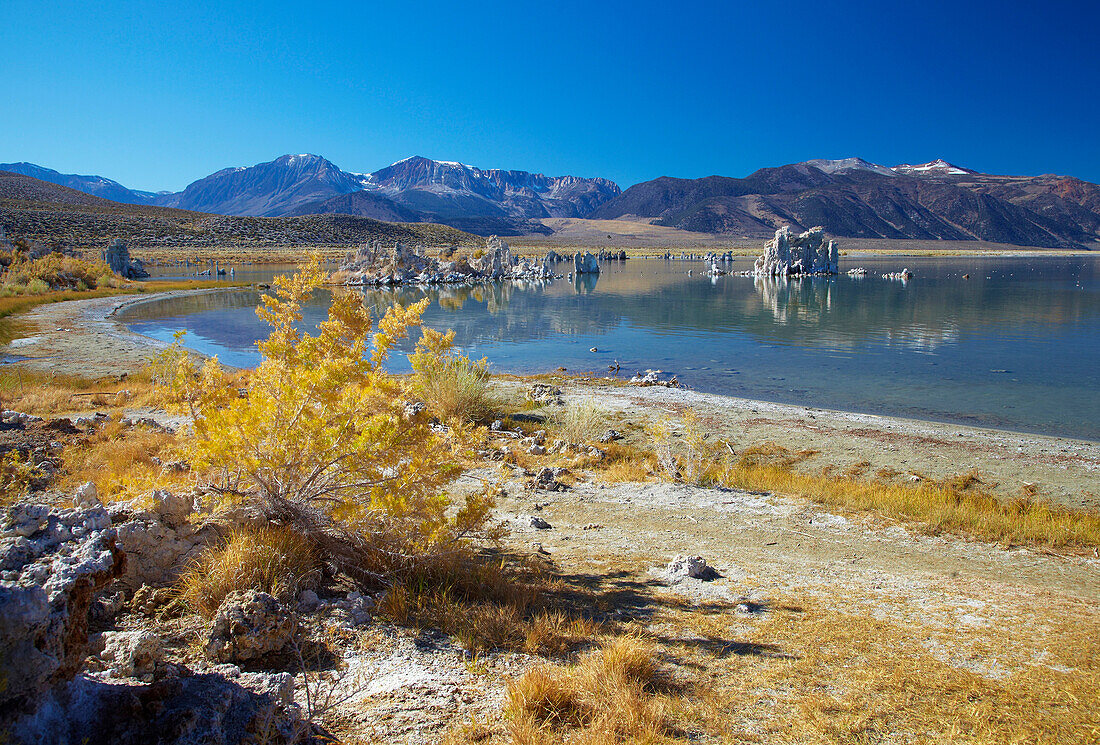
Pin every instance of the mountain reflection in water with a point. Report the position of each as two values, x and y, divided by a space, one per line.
1014 347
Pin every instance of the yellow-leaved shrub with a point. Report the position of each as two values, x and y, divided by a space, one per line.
320 439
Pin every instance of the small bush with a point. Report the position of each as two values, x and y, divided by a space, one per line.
321 440
37 287
16 474
453 386
54 271
273 559
693 457
580 421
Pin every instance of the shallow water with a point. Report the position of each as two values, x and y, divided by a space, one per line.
1016 346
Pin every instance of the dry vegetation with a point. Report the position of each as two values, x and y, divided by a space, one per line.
958 505
352 485
272 559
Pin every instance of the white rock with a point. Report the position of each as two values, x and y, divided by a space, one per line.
87 496
683 567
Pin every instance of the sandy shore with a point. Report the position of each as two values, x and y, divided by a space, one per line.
84 337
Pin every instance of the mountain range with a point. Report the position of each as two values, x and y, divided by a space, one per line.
851 198
857 199
416 189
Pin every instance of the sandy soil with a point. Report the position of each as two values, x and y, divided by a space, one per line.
84 339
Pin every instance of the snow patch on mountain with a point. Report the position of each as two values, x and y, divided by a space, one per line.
936 167
845 165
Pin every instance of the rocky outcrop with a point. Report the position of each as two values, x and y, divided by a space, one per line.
158 537
51 564
118 258
585 263
689 567
126 654
373 264
249 625
181 707
808 253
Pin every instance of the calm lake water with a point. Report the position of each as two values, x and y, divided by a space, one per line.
1017 346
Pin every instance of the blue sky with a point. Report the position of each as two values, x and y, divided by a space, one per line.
156 95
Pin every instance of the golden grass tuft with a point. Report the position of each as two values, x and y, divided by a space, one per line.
459 388
489 603
611 695
123 462
956 505
579 421
270 559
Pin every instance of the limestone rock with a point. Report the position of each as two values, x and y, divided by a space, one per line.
250 624
127 654
159 538
181 707
87 496
51 564
118 258
807 253
373 264
543 393
684 567
585 263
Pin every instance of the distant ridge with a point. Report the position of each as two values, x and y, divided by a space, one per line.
51 214
94 185
855 198
416 189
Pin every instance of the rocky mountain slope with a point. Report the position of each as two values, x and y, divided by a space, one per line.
266 189
94 185
416 189
43 212
857 199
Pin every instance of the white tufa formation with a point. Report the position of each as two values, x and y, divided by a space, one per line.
808 253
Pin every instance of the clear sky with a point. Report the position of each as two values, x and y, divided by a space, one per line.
158 94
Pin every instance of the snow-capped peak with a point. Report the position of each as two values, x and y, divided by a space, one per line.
849 164
937 167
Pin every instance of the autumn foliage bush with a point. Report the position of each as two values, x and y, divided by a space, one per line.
54 271
321 439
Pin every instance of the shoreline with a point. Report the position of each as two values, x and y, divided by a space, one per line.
85 338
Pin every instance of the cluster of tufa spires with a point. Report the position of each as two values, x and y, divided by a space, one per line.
808 253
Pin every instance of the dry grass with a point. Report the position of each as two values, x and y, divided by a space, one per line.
121 461
459 388
611 695
622 463
50 395
271 559
814 674
821 671
488 602
580 420
957 505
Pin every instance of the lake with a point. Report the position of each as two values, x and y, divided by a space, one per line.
1016 346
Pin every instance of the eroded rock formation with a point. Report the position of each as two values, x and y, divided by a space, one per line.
51 563
807 253
374 264
118 258
585 263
